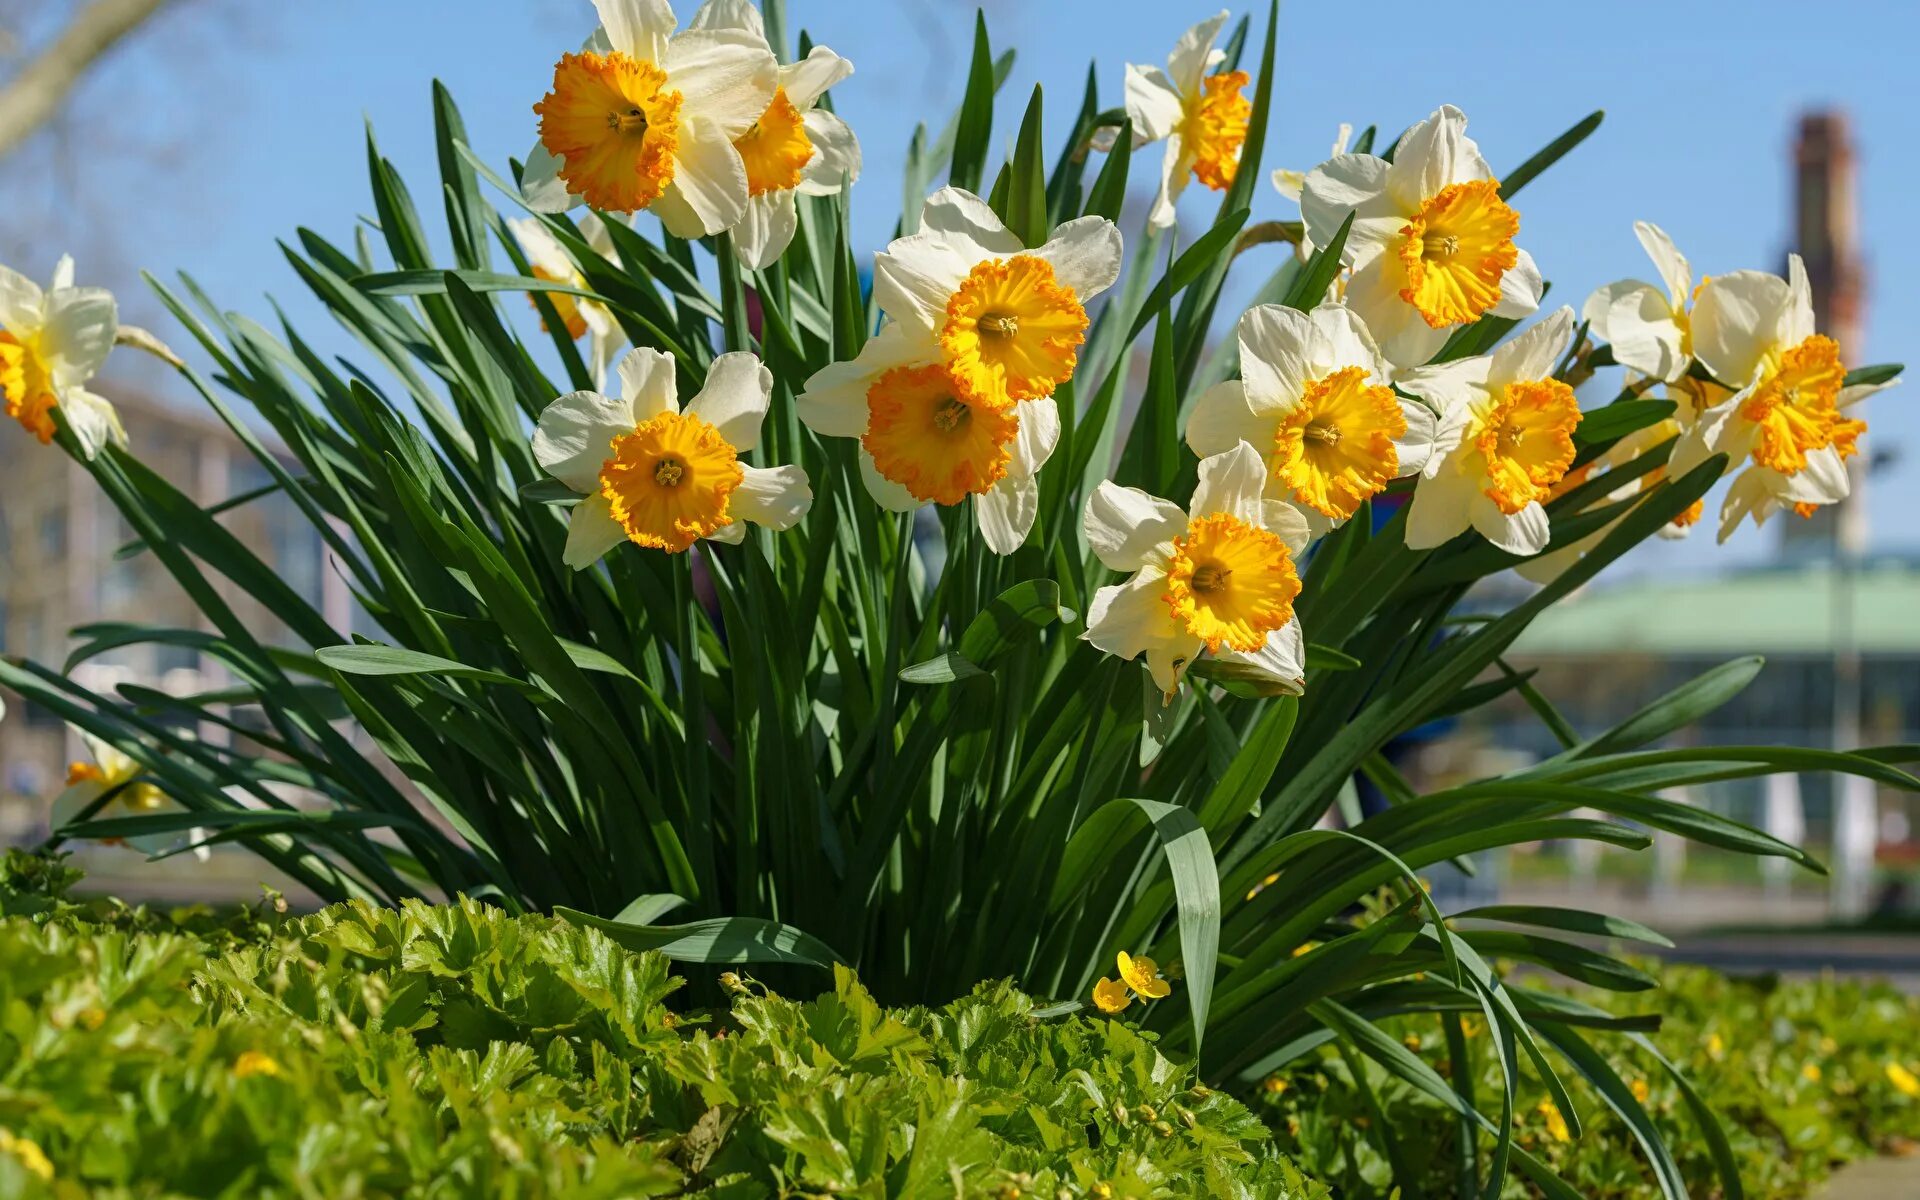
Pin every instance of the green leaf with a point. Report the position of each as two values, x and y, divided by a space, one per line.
1883 373
1572 920
1551 153
394 660
1110 186
1617 420
1679 708
1010 618
1198 258
975 126
1027 183
1310 287
717 940
942 668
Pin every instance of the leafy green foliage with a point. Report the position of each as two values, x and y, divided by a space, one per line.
1801 1076
458 1051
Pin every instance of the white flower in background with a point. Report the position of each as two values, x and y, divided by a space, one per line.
586 318
1289 183
1649 327
1202 118
953 398
646 118
52 343
660 477
112 771
1505 439
1754 333
1432 241
794 149
1314 398
1218 577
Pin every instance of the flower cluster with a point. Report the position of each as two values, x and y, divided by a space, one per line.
1139 977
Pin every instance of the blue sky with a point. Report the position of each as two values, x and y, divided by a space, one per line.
1701 100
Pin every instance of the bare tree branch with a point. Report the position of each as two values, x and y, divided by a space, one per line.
35 94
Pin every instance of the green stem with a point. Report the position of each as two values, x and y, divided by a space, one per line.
693 715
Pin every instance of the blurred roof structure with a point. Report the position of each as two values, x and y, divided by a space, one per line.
1785 610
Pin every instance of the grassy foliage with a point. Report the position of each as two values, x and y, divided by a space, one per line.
458 1051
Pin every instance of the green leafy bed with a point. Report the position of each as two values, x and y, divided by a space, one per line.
457 1051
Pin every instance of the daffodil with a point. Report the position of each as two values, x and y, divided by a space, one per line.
1649 326
586 318
661 477
1548 567
794 149
1785 416
1110 995
1219 577
116 777
1314 397
953 398
52 342
1504 439
1432 244
1142 974
1201 116
646 118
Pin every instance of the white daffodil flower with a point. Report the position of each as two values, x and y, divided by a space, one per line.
1202 117
52 343
1504 440
794 149
1218 577
1649 328
953 398
112 771
1786 415
1432 241
1290 183
660 477
646 118
586 318
1314 397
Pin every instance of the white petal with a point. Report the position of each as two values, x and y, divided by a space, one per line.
647 384
94 421
1525 533
1039 433
1850 396
1286 519
914 277
1667 259
1357 184
639 28
776 497
1006 511
1175 170
1085 254
1403 334
1193 54
1824 480
78 334
1416 445
1644 335
1746 496
1451 386
62 274
1283 658
709 188
1231 483
1439 510
766 230
1153 104
834 403
22 303
1127 529
729 14
540 184
1337 337
71 802
836 159
731 534
807 80
575 435
1433 154
1535 353
1735 321
1129 618
591 532
1273 355
1222 418
1520 289
735 398
726 78
544 251
1798 322
885 492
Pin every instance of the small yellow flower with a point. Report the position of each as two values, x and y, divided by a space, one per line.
1810 1072
1716 1049
1640 1090
1110 996
1829 1046
1412 1042
27 1153
253 1062
1469 1027
1556 1123
1263 885
1304 948
1143 976
1274 1085
1903 1080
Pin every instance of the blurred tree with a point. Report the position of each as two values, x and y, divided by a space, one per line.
34 92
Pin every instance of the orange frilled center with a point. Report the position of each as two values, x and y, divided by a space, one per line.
776 150
614 125
671 481
26 387
1013 331
1526 440
934 441
1216 128
1335 448
1230 583
1794 408
1455 251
